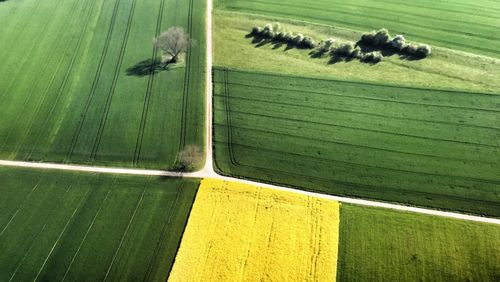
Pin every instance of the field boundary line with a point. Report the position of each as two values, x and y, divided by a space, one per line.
329 79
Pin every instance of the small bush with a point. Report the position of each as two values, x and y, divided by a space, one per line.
256 31
297 39
367 37
276 27
308 43
398 42
423 50
372 57
189 158
356 53
344 50
280 36
381 37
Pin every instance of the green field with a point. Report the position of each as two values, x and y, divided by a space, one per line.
67 92
467 25
384 245
415 146
444 69
67 226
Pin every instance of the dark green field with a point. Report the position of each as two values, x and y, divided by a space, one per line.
414 146
67 226
76 85
384 245
468 25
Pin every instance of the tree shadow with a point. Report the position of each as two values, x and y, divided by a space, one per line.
146 67
387 50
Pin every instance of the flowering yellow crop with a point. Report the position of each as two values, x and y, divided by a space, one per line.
239 232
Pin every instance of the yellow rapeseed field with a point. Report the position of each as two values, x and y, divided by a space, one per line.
239 232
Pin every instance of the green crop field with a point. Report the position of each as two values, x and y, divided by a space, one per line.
469 25
444 69
384 245
72 90
67 226
409 145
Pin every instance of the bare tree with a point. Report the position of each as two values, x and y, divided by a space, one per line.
172 43
190 158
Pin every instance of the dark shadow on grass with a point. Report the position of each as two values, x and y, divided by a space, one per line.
146 67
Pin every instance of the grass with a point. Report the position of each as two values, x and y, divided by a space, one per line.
385 245
445 68
68 93
414 146
248 233
73 226
466 25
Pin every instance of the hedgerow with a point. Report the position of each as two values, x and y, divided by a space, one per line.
275 32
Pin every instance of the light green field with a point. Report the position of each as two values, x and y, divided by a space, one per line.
384 245
413 146
66 94
445 68
468 25
76 227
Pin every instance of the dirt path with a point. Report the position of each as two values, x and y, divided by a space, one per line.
208 171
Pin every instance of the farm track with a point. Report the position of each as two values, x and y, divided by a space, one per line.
149 90
94 83
111 92
62 87
364 129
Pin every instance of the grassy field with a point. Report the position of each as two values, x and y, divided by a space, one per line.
66 226
468 25
247 233
445 68
415 146
384 245
71 91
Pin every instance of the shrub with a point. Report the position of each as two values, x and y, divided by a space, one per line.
287 37
344 49
268 27
308 42
189 158
276 27
280 36
297 39
356 53
423 50
372 57
381 37
398 42
367 37
256 30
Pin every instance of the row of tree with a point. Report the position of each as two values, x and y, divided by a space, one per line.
381 39
275 33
